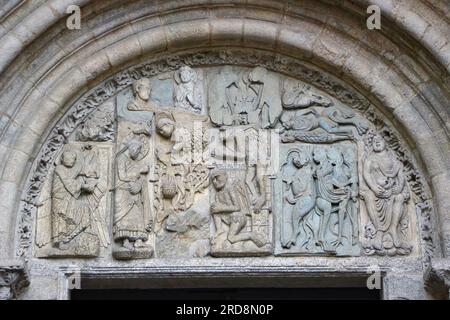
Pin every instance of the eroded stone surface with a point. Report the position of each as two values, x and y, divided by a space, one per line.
261 165
182 93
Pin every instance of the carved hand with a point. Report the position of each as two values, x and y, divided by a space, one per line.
290 199
378 190
149 227
354 195
386 194
89 185
145 169
135 187
214 207
259 204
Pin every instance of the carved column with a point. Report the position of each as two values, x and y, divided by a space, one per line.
13 279
437 278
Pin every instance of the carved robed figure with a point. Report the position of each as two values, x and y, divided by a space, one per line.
76 195
132 219
386 194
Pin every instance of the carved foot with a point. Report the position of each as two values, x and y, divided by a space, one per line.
403 249
289 244
326 247
258 241
140 244
377 242
63 246
338 242
220 235
127 244
320 243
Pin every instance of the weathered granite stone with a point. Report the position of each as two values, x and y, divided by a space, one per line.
404 287
386 196
152 79
317 199
74 209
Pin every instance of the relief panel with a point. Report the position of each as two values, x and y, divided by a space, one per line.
74 213
316 196
225 162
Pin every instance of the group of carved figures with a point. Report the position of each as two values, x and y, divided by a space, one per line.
321 181
165 175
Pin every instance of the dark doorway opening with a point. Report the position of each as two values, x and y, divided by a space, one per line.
229 294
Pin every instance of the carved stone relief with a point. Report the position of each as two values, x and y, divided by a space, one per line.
75 207
241 203
242 224
188 93
14 279
133 215
314 118
253 95
181 184
318 200
386 196
99 127
225 161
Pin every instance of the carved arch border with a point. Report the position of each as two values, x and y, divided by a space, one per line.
275 62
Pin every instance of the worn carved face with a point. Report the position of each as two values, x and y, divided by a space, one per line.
186 75
166 130
298 160
243 119
135 150
143 89
319 155
335 157
257 75
379 144
219 181
68 159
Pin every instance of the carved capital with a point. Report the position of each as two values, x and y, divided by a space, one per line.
13 279
437 277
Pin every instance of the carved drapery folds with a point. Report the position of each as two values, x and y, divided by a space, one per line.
78 221
74 212
132 214
13 279
386 196
228 161
319 200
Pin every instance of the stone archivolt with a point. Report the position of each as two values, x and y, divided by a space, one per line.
189 159
400 72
